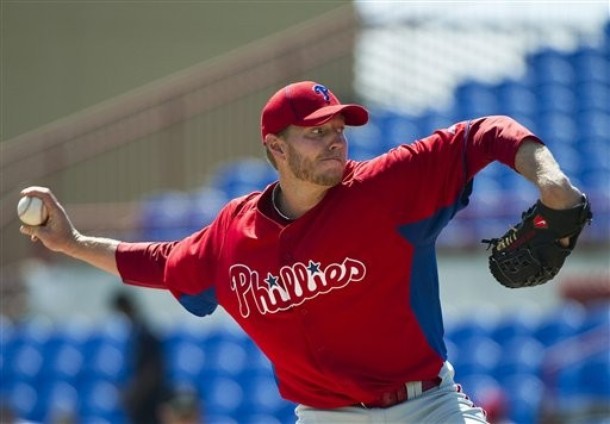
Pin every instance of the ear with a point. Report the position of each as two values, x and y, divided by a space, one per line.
274 144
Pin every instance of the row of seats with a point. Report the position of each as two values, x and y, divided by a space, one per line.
44 368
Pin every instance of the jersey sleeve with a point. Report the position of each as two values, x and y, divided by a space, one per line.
429 180
186 268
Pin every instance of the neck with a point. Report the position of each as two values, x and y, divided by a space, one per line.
292 202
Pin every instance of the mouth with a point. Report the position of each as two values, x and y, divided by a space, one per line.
333 158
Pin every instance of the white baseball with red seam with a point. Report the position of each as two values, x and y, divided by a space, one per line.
32 211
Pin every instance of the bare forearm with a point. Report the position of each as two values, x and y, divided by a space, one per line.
536 163
96 251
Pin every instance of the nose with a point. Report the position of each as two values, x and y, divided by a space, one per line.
338 139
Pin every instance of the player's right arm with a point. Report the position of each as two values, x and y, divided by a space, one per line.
60 235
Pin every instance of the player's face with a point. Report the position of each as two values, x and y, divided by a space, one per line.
318 154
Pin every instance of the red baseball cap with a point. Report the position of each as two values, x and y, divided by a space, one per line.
307 104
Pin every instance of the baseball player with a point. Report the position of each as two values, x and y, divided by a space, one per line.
332 269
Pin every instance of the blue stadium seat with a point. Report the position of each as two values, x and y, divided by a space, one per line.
515 98
554 97
165 216
262 396
595 152
593 124
366 142
64 364
593 96
557 128
524 392
240 177
185 362
473 100
431 121
398 129
206 203
569 158
521 355
60 402
483 356
222 396
260 419
228 357
552 66
476 327
101 399
519 325
25 400
595 374
558 326
590 65
27 363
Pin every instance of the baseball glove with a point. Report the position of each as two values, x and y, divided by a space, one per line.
530 254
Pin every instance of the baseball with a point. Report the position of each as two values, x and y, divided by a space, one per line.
32 211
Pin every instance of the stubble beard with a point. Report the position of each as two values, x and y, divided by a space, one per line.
305 169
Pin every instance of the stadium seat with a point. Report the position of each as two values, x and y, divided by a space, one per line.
593 96
516 99
595 373
399 129
478 326
556 327
483 356
165 216
206 203
590 65
25 400
64 364
432 121
524 392
228 357
552 66
261 394
185 362
27 363
473 100
366 142
59 402
554 97
521 355
101 399
240 177
519 324
593 124
557 128
222 396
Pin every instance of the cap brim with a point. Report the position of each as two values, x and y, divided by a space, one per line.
355 115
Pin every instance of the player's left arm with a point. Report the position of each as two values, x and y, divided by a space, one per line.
536 163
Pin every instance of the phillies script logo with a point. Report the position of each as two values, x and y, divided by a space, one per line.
294 285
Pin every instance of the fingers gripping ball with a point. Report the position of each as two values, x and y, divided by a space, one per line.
530 253
32 211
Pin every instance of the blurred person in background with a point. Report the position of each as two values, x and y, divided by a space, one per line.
181 406
144 391
332 269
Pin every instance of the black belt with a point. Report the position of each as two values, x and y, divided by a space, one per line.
405 392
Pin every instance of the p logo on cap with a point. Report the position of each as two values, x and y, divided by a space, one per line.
319 88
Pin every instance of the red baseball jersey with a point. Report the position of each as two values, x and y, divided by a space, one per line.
344 300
